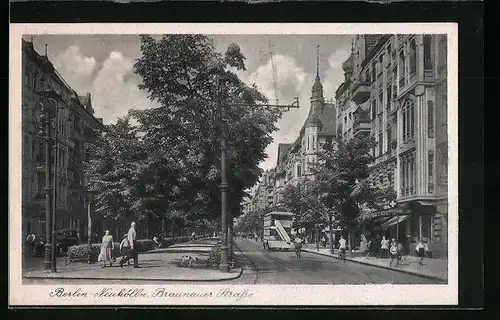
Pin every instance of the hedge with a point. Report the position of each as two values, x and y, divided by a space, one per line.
81 251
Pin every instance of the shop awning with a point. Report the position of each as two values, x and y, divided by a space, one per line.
394 220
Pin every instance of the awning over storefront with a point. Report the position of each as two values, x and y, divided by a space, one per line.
370 215
394 220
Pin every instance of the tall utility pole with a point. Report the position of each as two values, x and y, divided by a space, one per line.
224 186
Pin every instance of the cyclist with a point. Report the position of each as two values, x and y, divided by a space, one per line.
298 246
342 247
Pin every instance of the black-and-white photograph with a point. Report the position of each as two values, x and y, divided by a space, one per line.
233 159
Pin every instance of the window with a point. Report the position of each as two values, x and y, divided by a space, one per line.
431 171
381 101
380 144
413 57
33 80
442 51
408 120
350 115
381 62
42 83
374 72
26 76
34 143
308 144
299 170
427 53
345 119
389 97
408 174
374 109
25 146
389 139
367 77
313 143
401 69
389 49
430 119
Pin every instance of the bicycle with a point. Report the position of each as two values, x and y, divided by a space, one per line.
342 255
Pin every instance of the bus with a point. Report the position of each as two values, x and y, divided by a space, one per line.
277 230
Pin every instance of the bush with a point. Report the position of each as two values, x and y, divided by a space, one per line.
81 251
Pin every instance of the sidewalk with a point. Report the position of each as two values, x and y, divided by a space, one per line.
432 268
156 265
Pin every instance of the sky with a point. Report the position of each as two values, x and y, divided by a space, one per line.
103 66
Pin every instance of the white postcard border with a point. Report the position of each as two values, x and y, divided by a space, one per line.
40 295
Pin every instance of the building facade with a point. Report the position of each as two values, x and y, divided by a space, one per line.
75 116
395 90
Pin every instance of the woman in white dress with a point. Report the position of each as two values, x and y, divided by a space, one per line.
106 253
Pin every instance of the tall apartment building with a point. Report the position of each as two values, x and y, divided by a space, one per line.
75 117
395 90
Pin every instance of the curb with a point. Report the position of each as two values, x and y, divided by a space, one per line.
235 276
383 267
178 250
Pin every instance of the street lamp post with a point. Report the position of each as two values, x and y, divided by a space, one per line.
88 196
224 186
49 110
224 189
393 204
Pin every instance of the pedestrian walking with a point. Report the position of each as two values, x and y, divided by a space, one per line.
384 247
133 251
400 252
421 249
342 247
31 240
125 247
298 246
107 247
39 246
369 248
394 253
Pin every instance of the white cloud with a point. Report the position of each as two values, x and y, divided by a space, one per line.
115 89
294 81
76 68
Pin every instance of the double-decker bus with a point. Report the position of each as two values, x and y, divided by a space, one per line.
277 230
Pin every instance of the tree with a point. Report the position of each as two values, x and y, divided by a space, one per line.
302 200
181 137
342 173
112 170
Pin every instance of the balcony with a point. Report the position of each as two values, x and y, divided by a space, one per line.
361 126
361 91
